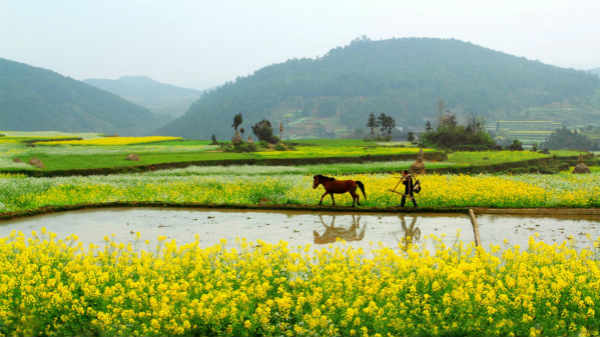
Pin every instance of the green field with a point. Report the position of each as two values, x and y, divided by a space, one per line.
82 157
72 157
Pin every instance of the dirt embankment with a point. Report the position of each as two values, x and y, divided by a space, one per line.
551 212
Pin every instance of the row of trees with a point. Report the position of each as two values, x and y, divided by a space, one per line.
449 134
382 122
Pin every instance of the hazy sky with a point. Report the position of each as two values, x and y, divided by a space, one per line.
202 43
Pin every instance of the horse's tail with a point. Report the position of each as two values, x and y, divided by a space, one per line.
362 188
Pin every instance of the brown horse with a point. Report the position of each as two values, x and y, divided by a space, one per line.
338 186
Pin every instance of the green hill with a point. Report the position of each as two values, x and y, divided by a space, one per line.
405 78
159 97
38 99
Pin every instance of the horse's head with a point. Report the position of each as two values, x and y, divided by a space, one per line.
320 179
316 181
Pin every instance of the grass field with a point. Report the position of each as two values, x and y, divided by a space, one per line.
104 152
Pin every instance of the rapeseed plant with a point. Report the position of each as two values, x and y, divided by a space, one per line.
53 286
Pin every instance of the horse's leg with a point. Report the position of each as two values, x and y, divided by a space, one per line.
357 196
323 196
354 197
332 199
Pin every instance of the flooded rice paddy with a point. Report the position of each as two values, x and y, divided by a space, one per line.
301 228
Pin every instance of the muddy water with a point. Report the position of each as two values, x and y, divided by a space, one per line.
298 228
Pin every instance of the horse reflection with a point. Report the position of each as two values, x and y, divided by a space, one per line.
410 234
332 233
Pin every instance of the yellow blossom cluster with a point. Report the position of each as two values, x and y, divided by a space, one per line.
60 287
113 140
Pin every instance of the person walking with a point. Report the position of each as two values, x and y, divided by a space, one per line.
409 188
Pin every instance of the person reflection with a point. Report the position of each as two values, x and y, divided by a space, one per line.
332 233
410 234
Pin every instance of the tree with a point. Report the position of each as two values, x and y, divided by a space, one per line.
237 121
440 107
386 123
428 127
381 120
280 130
516 146
475 124
264 132
411 136
372 123
214 140
564 138
448 120
390 124
450 135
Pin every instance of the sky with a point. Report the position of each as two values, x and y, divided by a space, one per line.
205 43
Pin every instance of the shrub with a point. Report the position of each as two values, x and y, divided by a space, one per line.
264 132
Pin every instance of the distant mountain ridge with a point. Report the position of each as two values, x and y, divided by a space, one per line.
159 97
405 78
34 98
595 71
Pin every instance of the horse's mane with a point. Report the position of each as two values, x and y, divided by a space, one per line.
322 177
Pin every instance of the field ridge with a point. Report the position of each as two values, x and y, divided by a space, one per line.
547 211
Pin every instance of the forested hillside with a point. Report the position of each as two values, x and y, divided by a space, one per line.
161 98
38 99
405 78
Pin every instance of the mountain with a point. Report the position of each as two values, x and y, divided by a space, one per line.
405 78
595 71
159 97
38 99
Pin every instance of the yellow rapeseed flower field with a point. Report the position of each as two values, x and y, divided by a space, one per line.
113 140
59 287
439 191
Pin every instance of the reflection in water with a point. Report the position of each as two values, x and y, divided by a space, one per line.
332 233
410 234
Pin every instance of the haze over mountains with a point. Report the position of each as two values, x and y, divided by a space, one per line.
164 99
405 78
39 99
595 71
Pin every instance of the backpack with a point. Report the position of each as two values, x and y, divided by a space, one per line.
417 186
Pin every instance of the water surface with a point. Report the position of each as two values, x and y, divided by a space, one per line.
300 228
